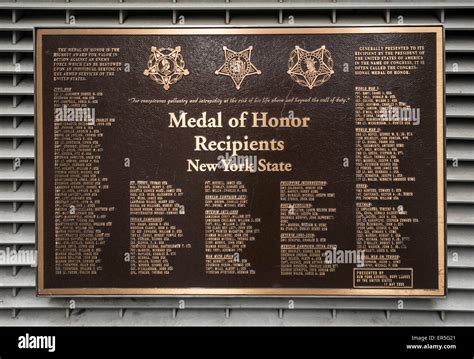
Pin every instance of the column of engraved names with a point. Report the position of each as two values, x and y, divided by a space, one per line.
304 225
229 228
155 242
82 223
381 137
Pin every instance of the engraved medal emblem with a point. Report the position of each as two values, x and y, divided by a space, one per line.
310 68
166 66
237 65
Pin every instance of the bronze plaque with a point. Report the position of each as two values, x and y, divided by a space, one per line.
241 161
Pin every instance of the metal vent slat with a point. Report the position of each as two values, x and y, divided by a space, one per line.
464 172
459 65
25 234
26 172
460 193
461 236
24 150
24 45
24 66
25 108
460 86
461 214
461 129
25 278
462 150
24 87
459 107
459 300
24 214
26 193
459 44
24 129
222 317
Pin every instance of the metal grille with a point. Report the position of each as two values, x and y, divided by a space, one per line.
18 302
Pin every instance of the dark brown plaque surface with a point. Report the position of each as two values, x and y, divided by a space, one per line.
278 161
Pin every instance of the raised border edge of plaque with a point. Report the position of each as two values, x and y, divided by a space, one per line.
441 291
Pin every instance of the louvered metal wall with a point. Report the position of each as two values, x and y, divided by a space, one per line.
18 302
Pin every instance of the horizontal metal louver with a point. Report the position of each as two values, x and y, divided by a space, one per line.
18 302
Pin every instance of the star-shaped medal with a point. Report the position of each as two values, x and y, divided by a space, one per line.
166 66
310 68
237 65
